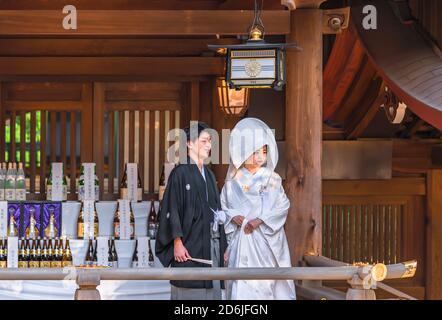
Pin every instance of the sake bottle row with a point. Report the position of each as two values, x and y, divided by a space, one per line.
123 222
39 253
12 182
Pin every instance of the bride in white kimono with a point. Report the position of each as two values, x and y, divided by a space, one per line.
256 208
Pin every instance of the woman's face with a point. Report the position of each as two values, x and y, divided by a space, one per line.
258 158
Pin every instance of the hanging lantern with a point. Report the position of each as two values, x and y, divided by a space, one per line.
232 102
256 63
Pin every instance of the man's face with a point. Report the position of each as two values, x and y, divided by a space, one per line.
201 146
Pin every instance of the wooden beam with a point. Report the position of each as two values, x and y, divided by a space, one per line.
74 47
42 105
110 5
162 105
113 66
303 134
306 4
393 187
139 22
434 236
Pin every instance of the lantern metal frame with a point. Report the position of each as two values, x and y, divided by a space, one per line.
253 49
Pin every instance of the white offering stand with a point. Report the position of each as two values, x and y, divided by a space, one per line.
109 290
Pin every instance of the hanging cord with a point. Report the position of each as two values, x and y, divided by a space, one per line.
257 21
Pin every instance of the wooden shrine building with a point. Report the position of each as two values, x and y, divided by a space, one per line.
358 123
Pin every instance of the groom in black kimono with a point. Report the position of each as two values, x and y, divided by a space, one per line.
190 225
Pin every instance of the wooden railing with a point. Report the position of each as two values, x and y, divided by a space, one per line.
362 278
361 288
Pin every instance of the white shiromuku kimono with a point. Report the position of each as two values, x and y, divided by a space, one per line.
262 196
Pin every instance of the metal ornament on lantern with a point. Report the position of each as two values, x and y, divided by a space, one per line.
256 63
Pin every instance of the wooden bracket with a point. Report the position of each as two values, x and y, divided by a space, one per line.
335 20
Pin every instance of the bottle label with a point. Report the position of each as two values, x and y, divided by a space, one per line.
81 193
66 263
3 218
65 193
3 264
161 192
9 194
80 227
34 264
49 192
95 230
117 230
45 264
55 264
151 230
20 194
23 264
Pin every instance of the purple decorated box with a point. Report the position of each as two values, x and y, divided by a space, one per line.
52 219
14 210
32 220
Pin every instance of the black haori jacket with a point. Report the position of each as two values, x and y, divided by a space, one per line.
186 213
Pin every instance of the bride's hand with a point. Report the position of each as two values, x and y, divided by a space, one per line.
238 220
252 225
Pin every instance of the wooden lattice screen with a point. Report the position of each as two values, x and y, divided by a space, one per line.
135 119
43 123
377 221
363 232
107 123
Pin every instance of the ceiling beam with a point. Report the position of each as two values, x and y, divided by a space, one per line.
110 4
139 22
75 47
110 66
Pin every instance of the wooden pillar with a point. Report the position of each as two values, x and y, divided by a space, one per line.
87 112
194 100
304 133
434 235
2 126
98 132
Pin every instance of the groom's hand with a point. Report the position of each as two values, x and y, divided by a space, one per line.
179 251
252 225
238 220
